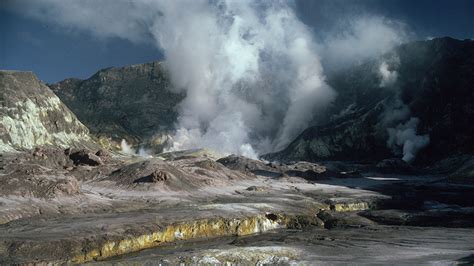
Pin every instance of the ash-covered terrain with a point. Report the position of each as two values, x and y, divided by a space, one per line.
385 175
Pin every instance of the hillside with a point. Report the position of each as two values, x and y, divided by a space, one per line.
133 103
32 115
431 81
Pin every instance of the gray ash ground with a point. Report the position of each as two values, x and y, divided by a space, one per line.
59 209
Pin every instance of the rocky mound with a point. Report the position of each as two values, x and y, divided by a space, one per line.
244 164
51 172
32 115
152 171
182 174
306 170
135 103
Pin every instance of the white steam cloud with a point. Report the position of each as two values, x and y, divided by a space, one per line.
388 77
404 135
126 148
251 73
361 38
250 69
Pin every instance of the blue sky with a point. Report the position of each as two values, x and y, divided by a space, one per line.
55 53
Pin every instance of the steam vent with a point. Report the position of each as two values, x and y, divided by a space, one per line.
236 132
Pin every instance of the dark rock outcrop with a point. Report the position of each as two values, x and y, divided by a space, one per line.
84 157
156 176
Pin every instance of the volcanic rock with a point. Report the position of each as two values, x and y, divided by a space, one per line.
84 157
156 176
135 103
32 115
243 164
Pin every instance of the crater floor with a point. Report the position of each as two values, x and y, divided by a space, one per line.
194 209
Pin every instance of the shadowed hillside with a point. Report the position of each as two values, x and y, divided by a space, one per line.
434 83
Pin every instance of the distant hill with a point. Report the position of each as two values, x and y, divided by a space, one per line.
431 80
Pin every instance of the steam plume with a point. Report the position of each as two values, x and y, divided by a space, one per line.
360 38
388 77
126 148
405 136
401 128
129 150
250 71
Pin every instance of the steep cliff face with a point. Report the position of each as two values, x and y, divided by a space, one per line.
134 102
32 115
430 80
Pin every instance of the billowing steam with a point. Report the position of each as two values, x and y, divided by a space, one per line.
358 39
401 128
128 149
388 77
405 136
250 69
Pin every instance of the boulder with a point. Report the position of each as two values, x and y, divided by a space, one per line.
83 157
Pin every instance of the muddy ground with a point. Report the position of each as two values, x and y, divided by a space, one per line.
87 206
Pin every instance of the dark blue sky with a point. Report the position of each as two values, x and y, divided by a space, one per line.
54 53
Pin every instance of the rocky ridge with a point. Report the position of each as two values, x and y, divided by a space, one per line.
136 103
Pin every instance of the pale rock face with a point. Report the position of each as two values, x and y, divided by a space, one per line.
32 115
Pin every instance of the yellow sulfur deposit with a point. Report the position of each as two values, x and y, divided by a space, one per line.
205 228
347 207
